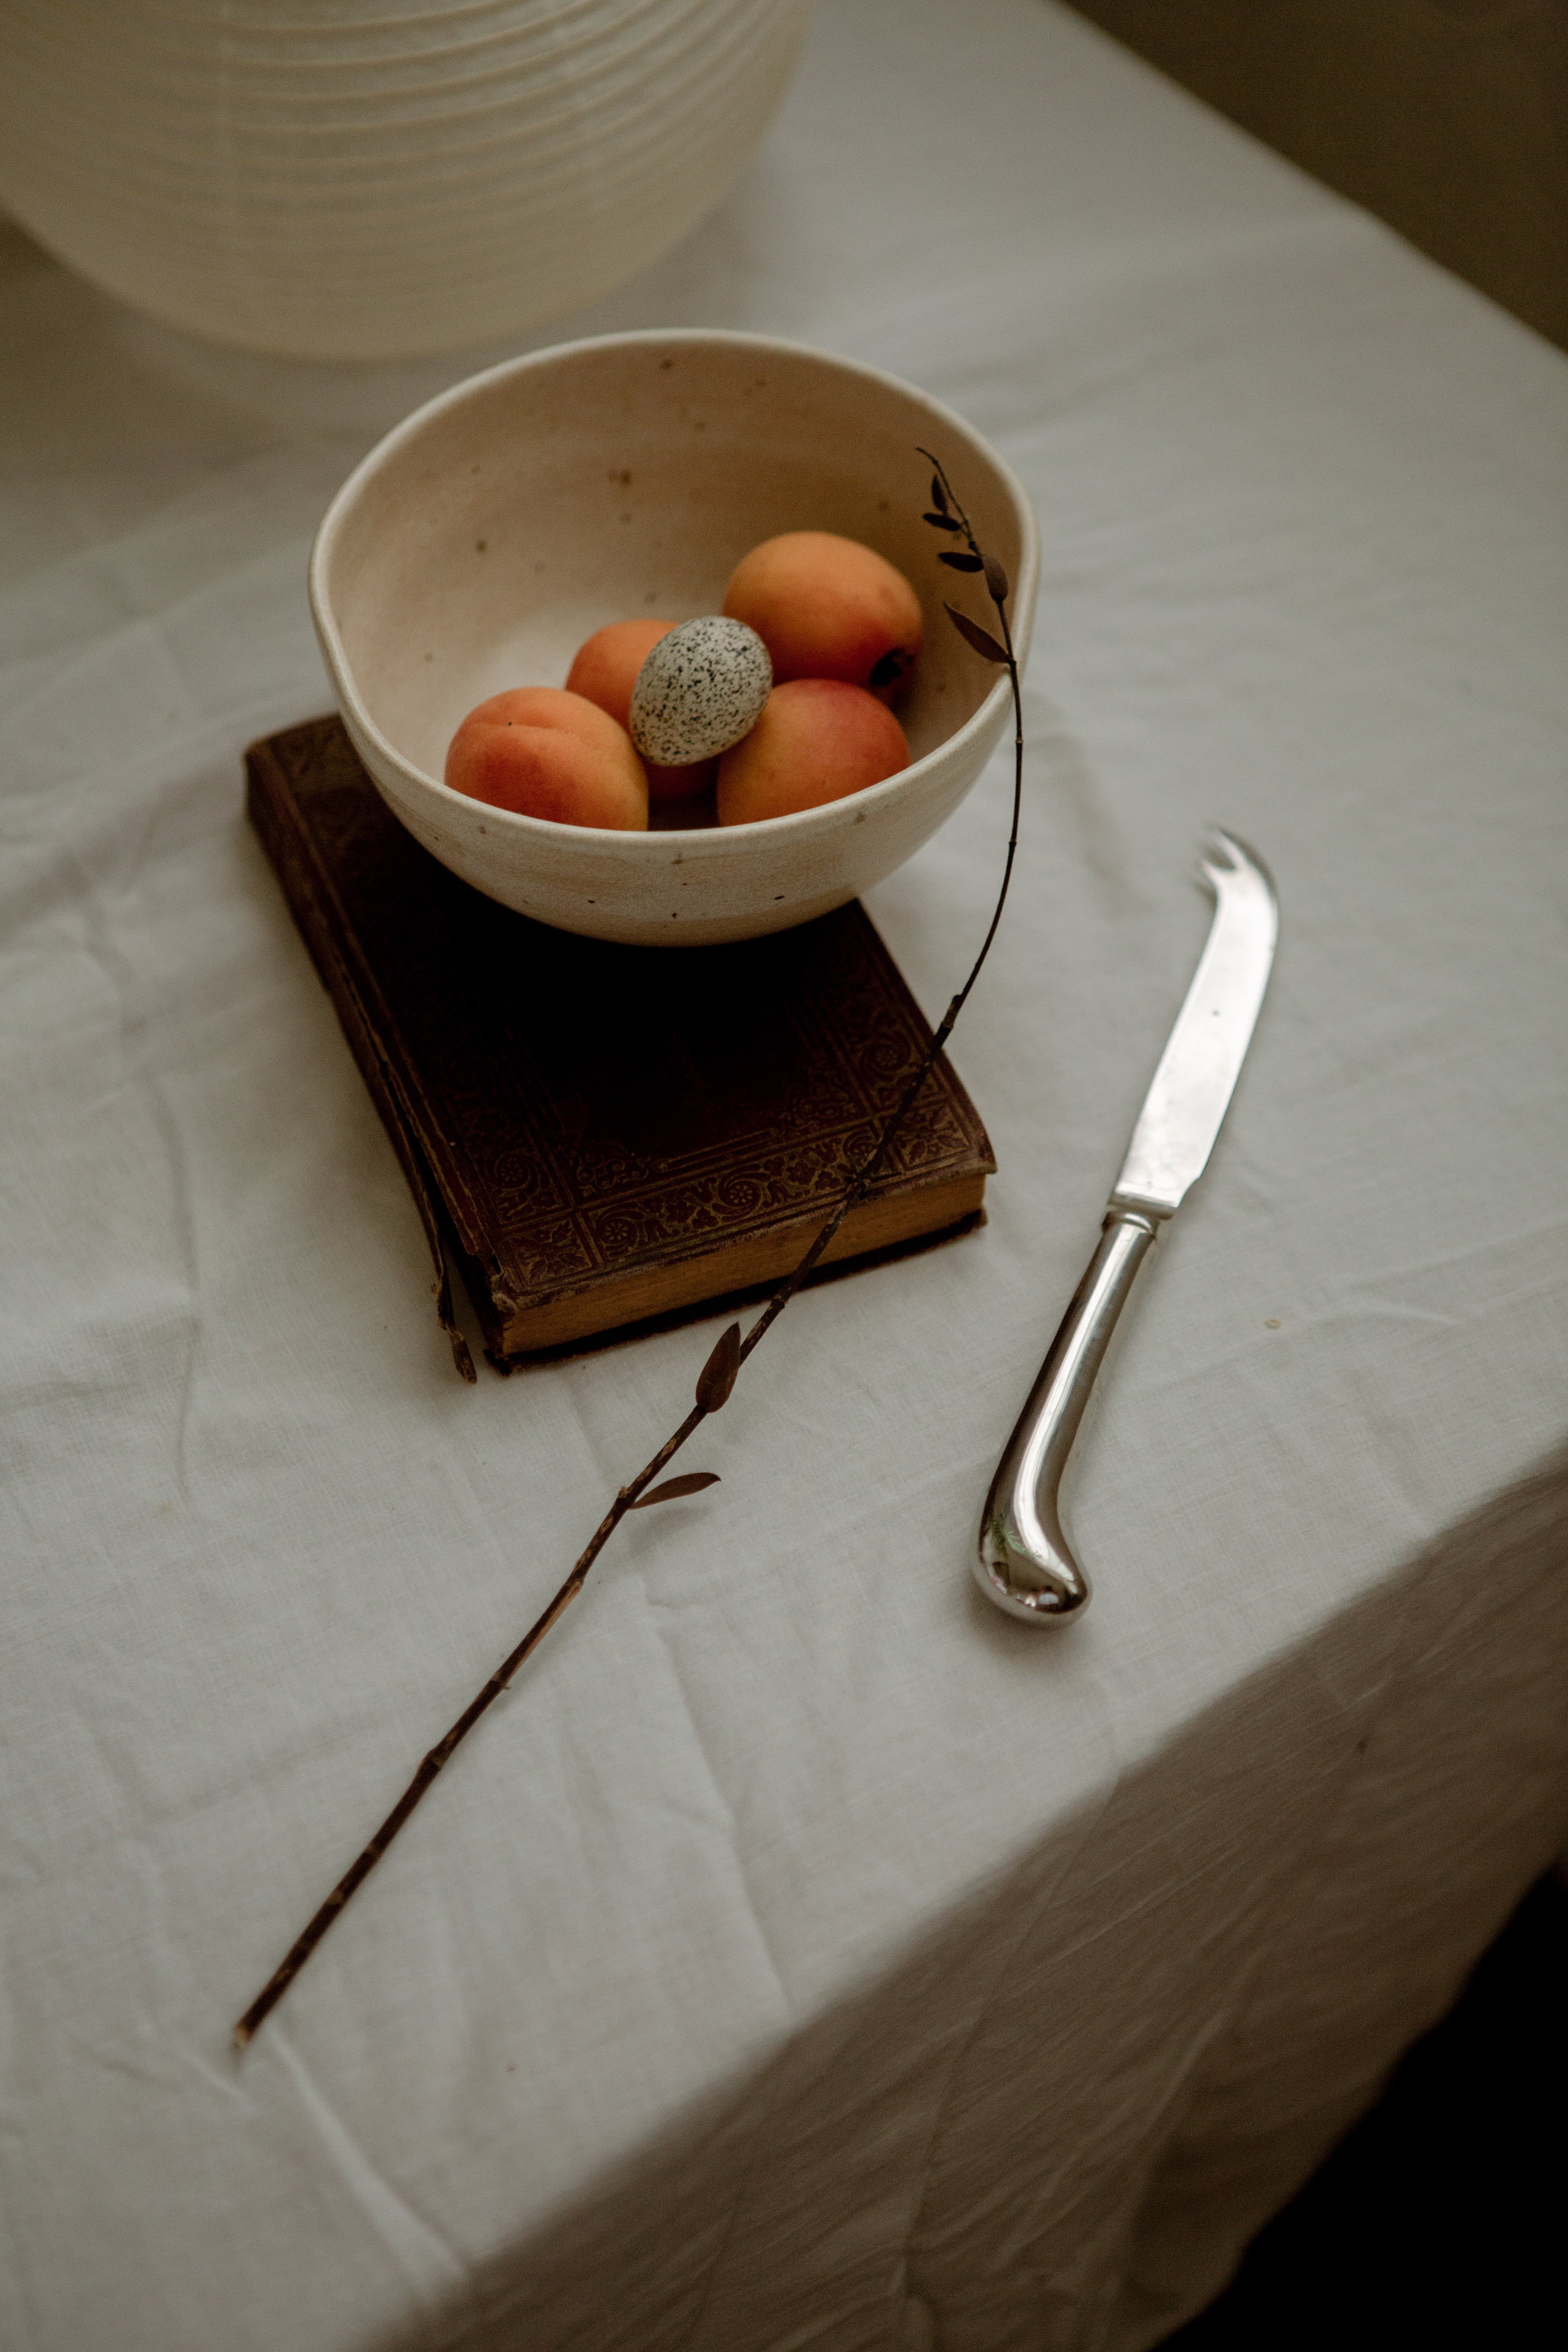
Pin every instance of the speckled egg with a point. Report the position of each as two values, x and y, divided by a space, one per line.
699 690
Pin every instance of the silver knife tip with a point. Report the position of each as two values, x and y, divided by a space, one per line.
1224 853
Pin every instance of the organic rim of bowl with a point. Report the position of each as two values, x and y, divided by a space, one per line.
652 843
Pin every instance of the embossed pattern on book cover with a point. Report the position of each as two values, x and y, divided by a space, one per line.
584 1107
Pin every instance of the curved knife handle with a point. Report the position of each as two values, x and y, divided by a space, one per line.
1023 1562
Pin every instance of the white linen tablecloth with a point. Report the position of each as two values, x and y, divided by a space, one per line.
802 1954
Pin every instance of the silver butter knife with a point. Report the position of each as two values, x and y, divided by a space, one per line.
1023 1563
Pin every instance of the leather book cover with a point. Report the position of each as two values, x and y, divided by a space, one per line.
605 1137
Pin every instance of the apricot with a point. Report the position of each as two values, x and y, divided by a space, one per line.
816 741
604 670
543 752
827 607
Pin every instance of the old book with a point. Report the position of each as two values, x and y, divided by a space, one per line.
601 1135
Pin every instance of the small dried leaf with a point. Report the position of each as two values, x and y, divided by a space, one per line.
995 579
941 522
959 562
938 495
892 666
692 1483
718 1374
972 634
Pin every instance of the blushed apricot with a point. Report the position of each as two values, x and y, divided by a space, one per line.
827 607
604 670
816 741
604 667
544 753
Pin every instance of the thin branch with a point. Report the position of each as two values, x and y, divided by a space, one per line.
441 1754
714 1384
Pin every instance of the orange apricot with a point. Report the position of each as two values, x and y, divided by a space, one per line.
543 752
816 741
827 607
604 670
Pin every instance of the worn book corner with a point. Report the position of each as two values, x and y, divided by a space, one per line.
606 1140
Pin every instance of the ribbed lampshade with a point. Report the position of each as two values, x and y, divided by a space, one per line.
363 179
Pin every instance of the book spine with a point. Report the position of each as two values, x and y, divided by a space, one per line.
270 806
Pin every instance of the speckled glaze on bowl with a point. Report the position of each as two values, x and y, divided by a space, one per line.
499 526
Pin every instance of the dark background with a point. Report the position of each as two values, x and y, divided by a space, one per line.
1446 118
1439 2219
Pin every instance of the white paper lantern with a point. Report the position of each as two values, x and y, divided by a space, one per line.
363 179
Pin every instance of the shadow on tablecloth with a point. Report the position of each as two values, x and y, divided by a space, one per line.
1060 2121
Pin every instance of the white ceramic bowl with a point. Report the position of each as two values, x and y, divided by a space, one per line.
361 179
501 524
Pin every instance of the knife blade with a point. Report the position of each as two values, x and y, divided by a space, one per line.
1023 1562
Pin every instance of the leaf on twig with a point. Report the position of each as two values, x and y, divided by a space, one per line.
995 579
959 562
692 1483
972 634
718 1375
938 495
941 521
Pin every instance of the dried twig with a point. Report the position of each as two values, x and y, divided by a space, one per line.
720 1372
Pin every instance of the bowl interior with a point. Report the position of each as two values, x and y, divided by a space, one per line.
500 527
